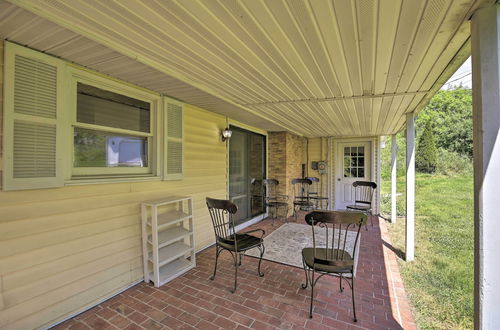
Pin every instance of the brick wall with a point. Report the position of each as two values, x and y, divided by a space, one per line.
277 159
294 151
286 152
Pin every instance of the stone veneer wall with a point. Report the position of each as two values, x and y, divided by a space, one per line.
285 160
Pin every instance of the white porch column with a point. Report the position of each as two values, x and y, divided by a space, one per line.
485 37
410 186
394 149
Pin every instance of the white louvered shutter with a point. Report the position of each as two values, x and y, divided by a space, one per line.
174 140
31 114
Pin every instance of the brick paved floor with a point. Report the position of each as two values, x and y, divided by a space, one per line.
276 300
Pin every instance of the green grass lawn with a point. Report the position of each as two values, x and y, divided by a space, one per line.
440 280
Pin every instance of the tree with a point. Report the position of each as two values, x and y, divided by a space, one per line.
451 113
426 157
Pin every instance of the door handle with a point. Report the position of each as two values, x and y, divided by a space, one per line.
338 179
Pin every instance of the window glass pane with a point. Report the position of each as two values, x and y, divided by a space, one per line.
361 151
354 161
104 149
354 172
361 161
361 172
347 161
347 172
100 107
347 151
354 151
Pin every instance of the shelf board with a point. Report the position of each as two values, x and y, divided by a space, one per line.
173 269
170 218
171 252
169 236
168 200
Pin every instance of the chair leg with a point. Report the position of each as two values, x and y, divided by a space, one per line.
304 286
262 249
340 282
242 254
312 295
217 252
235 259
353 303
275 213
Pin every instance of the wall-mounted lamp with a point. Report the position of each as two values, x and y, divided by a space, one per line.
226 134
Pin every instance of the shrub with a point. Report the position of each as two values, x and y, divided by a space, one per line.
426 156
451 163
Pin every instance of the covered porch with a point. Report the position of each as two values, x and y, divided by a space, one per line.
308 74
276 300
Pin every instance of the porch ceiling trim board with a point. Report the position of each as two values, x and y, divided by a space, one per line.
254 53
338 98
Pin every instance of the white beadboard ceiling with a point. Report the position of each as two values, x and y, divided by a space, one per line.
316 67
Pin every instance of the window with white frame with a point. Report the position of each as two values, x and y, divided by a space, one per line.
112 133
65 124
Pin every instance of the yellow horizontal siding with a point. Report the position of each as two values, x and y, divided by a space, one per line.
59 256
315 153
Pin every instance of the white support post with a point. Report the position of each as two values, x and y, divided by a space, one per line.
485 37
394 149
410 186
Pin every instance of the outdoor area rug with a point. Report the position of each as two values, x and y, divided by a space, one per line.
285 244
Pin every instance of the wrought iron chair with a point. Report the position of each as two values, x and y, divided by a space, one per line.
273 199
301 199
329 255
257 200
363 197
315 196
222 211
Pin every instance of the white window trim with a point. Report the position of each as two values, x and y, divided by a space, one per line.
83 175
68 74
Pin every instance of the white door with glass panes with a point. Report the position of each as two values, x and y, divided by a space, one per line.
353 163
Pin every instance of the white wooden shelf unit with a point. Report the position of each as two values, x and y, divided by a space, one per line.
167 238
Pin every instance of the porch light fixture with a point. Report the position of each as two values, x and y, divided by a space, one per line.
226 134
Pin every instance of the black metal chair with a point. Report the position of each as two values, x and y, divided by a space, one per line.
257 200
222 211
329 255
273 199
301 199
363 197
319 202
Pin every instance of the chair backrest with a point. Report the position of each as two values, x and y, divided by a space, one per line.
301 188
256 192
256 186
339 227
363 192
314 189
271 187
221 211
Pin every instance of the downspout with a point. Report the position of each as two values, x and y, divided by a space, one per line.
307 157
322 158
329 168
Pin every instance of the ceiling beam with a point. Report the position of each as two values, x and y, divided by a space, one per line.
337 98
